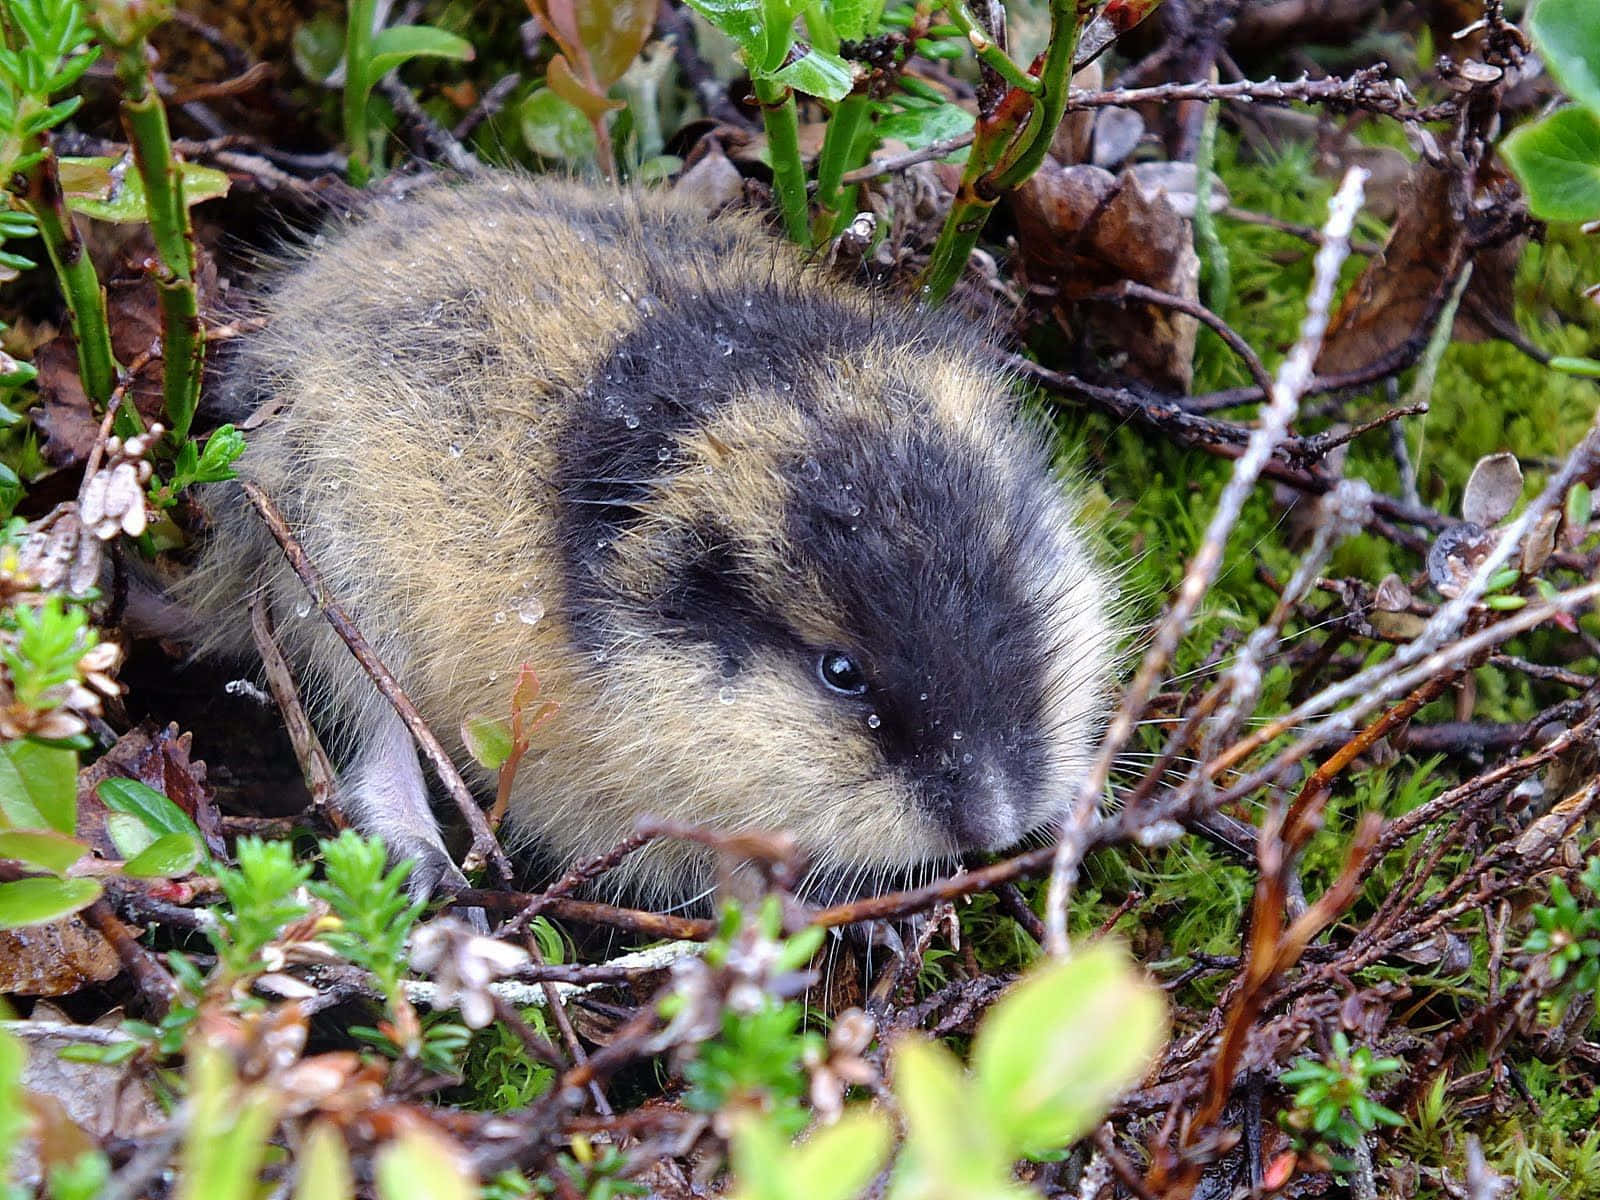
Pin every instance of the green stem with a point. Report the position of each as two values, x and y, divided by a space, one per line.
1008 148
1027 151
779 115
840 145
357 88
1215 269
86 301
182 339
968 214
996 59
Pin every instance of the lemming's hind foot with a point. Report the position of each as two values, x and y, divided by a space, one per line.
385 795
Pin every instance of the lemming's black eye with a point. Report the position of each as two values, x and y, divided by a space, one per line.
841 673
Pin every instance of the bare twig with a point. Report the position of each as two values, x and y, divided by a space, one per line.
1290 385
485 846
315 766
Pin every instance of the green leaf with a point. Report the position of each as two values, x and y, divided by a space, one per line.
322 1168
1568 35
487 739
39 901
227 1138
924 125
1057 1049
14 1119
1576 365
739 20
835 1163
318 47
107 189
854 19
159 814
1558 161
419 1163
401 43
167 857
223 449
953 1147
818 74
839 1162
552 128
128 833
55 852
38 787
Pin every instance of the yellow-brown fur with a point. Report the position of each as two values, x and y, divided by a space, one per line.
431 358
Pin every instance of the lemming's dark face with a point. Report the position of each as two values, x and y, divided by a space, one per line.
855 597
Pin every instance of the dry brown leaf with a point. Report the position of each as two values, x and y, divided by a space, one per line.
55 959
1084 230
160 759
1403 285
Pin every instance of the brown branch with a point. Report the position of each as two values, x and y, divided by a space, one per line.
485 846
1128 292
315 766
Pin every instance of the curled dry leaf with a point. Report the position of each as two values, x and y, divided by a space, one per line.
1392 595
1455 555
1083 230
1493 489
58 556
1403 286
711 180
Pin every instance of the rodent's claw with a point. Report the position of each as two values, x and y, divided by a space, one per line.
436 875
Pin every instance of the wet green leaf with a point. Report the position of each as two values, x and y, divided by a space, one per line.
818 74
53 851
38 901
168 857
38 787
159 814
109 189
1558 161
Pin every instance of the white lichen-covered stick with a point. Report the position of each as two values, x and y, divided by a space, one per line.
1293 377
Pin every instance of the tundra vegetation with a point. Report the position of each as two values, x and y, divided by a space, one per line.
1307 292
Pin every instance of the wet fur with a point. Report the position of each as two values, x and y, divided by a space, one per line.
706 462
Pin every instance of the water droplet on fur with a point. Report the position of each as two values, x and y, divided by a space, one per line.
726 344
455 450
531 611
955 736
811 469
855 511
725 695
922 696
966 760
874 720
599 656
499 618
631 420
663 453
